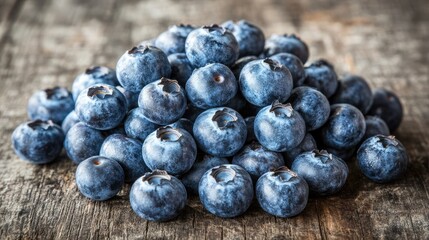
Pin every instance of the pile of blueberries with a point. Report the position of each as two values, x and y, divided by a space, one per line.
220 112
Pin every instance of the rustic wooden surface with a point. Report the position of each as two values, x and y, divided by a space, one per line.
47 43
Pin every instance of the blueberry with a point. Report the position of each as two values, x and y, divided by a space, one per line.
282 193
375 126
99 178
263 81
344 128
257 160
158 196
173 40
325 173
101 107
321 75
82 142
287 43
250 129
131 97
250 38
387 106
163 101
70 120
226 190
127 152
295 66
382 158
170 149
50 104
279 128
211 86
137 125
240 63
183 123
355 91
140 66
191 179
181 68
312 105
211 44
92 76
38 141
307 144
220 132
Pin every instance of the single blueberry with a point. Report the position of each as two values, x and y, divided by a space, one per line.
240 63
99 178
171 149
279 127
345 127
321 75
137 126
220 132
101 107
355 91
282 193
192 178
70 120
50 104
140 66
211 86
257 160
287 43
181 68
38 141
93 76
325 173
388 107
375 126
127 152
83 142
307 144
211 44
226 190
250 38
312 105
163 101
158 196
294 65
173 40
382 158
264 81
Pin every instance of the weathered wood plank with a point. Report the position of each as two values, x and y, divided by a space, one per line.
46 43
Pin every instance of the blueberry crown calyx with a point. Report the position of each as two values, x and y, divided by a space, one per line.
214 28
169 85
272 64
386 141
323 154
156 177
139 49
168 134
100 91
56 93
284 174
45 125
224 119
281 110
223 173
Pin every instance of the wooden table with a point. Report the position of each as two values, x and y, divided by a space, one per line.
47 43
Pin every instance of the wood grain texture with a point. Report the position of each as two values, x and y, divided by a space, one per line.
47 43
